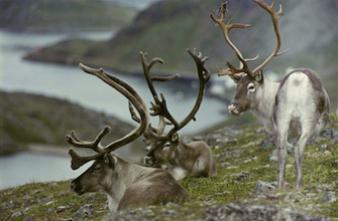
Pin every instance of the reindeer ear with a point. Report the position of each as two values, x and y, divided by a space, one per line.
110 160
259 77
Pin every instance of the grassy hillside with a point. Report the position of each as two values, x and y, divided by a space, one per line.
62 15
241 163
28 118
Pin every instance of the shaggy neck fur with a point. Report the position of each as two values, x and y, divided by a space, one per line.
125 175
265 99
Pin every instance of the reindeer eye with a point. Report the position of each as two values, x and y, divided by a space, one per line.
97 167
251 87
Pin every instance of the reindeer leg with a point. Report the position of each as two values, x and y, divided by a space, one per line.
283 127
307 128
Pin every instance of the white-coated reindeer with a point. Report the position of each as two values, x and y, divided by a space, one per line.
126 184
299 99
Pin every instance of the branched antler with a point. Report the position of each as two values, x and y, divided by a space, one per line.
226 28
232 71
162 109
158 107
133 97
94 145
275 16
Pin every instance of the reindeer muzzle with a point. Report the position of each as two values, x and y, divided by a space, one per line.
76 187
234 109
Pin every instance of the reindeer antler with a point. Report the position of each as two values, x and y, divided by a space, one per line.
275 16
226 28
232 71
162 109
155 106
133 97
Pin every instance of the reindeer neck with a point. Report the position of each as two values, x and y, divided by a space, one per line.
131 172
118 185
127 174
265 99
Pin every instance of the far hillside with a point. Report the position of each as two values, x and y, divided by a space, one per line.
63 15
167 28
30 119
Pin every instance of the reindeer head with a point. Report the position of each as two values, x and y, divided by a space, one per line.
248 80
99 177
245 94
157 140
102 175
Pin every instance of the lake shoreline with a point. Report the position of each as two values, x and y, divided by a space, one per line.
115 71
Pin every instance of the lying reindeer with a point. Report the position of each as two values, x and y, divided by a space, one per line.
298 99
126 184
168 151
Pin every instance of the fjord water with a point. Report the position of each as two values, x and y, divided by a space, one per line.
71 83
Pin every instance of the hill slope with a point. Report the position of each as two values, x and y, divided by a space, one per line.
237 193
28 118
62 15
167 28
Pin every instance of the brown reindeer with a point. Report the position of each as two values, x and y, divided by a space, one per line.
167 150
126 184
298 99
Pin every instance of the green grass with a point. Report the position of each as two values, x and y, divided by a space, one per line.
41 201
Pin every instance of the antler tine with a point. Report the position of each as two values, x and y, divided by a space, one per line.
164 78
159 107
77 161
94 145
146 71
226 29
99 72
219 18
161 125
162 110
150 79
203 76
133 113
148 65
275 16
127 91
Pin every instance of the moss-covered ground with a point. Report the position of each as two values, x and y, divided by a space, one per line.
241 162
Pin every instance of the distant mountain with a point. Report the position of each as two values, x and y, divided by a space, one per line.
28 118
167 28
63 15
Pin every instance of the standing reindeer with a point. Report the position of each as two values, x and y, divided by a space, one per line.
126 184
168 150
298 99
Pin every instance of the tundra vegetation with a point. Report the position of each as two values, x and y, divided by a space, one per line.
242 161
